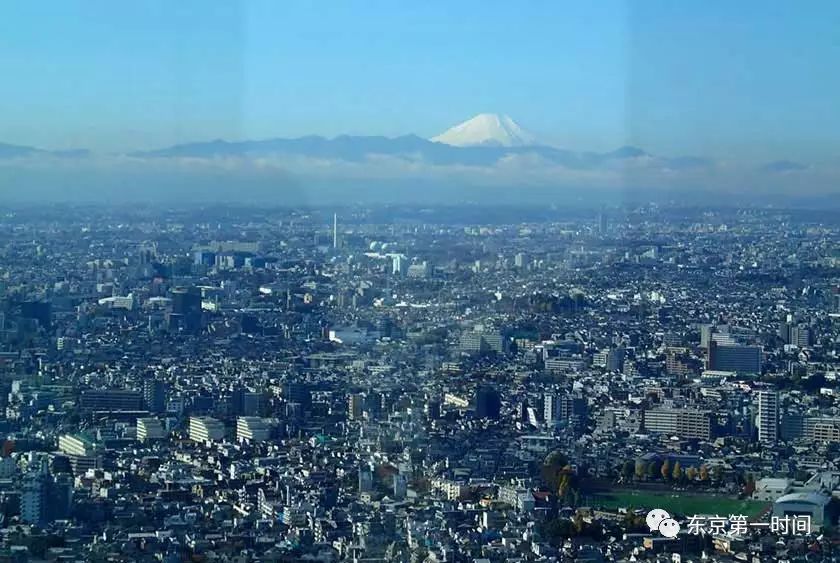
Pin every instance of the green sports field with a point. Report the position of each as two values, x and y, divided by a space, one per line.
686 504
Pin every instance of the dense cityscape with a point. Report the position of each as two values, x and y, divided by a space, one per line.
455 383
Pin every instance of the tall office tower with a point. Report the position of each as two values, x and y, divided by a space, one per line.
32 498
564 408
572 408
801 336
735 357
550 408
59 496
784 331
154 395
519 260
244 402
300 393
488 403
147 253
365 478
602 222
186 309
432 409
706 335
355 401
615 359
400 486
45 497
398 265
768 416
335 230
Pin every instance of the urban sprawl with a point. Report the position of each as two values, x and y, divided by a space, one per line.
452 384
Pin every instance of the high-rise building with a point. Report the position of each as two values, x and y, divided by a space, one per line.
365 479
244 402
59 496
432 409
482 341
706 332
612 359
399 265
801 336
150 429
186 309
206 429
45 497
300 393
602 222
488 402
400 486
82 451
682 422
253 429
110 400
680 363
564 408
615 359
735 357
550 408
154 395
355 405
33 498
820 429
768 417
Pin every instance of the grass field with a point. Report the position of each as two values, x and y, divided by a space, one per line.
680 503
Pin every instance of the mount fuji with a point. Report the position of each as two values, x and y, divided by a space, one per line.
484 140
488 130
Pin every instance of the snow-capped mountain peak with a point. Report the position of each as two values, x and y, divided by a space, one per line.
488 129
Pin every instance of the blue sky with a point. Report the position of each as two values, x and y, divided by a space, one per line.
753 80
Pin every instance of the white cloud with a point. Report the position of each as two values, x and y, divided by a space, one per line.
513 170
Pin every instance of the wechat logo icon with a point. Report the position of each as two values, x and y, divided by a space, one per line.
660 521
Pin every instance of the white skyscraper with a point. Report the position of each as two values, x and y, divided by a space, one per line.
768 416
550 407
398 263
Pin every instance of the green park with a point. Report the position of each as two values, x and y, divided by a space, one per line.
686 504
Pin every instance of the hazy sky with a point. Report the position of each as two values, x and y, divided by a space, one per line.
752 80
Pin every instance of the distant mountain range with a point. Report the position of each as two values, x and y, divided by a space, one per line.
484 140
14 151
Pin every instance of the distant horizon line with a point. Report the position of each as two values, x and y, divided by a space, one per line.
84 151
